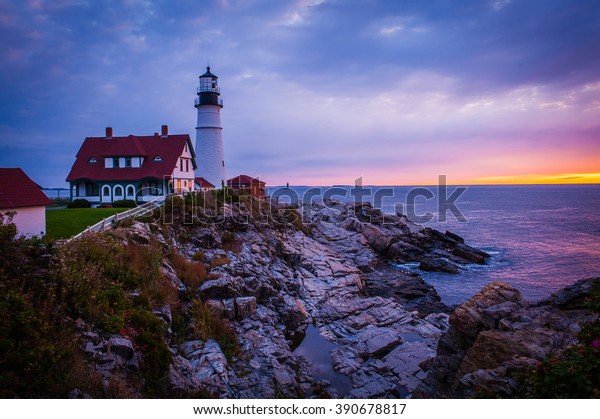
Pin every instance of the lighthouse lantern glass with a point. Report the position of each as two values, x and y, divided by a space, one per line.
209 84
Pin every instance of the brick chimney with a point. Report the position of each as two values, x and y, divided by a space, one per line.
164 131
109 133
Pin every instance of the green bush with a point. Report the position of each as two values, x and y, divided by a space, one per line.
124 203
148 337
79 203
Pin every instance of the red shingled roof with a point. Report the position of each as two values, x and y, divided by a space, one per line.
17 190
203 183
169 149
244 180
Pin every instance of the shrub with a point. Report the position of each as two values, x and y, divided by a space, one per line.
206 326
219 261
79 203
199 256
191 273
230 243
148 337
36 346
124 203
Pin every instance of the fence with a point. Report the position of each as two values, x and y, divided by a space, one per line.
134 212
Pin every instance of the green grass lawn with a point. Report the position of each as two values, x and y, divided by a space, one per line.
64 223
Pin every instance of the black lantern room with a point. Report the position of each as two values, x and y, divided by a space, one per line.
208 91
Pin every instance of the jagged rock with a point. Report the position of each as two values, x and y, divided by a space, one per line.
216 308
181 375
573 296
454 237
229 308
217 289
164 313
207 238
438 265
120 347
404 251
139 233
208 366
469 253
383 323
379 341
244 307
494 336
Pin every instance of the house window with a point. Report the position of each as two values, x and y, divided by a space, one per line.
118 190
187 165
92 189
181 164
186 149
106 190
127 161
115 162
92 160
153 185
223 163
157 158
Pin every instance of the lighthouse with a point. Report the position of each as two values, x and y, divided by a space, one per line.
210 158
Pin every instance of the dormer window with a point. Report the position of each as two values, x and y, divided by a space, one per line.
92 160
157 158
127 161
115 162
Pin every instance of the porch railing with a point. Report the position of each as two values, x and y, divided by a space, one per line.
134 212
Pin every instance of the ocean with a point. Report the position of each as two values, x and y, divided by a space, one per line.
541 237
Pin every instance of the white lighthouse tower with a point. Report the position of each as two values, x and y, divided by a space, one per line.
210 157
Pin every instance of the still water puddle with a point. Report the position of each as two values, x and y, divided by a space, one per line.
317 351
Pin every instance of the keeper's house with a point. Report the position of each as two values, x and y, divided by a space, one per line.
24 200
140 168
253 186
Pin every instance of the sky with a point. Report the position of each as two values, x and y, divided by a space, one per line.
316 92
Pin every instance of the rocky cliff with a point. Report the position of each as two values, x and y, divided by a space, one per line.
497 337
242 300
273 278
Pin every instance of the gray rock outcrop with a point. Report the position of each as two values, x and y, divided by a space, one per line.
495 336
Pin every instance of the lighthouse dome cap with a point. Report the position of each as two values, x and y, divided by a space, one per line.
208 73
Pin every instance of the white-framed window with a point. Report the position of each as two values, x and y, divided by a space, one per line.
106 190
92 160
157 158
118 190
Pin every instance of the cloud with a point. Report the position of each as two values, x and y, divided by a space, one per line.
311 86
500 4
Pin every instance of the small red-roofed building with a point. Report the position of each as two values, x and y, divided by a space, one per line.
253 186
134 167
24 199
203 184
